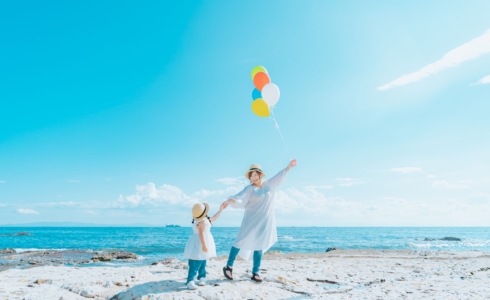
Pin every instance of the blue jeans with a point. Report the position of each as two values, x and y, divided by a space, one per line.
257 259
195 267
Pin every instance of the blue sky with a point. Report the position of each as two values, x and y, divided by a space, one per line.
118 113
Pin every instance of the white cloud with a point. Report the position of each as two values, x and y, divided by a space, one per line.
407 170
149 194
479 199
395 200
73 181
3 204
431 176
203 194
468 51
401 207
90 212
27 211
348 181
321 187
444 184
232 181
287 203
313 202
388 211
484 80
66 203
3 181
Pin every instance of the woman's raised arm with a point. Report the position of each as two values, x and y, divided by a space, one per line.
279 178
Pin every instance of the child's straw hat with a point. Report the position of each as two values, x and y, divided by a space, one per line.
200 211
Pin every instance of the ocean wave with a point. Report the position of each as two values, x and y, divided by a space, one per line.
21 250
289 238
466 244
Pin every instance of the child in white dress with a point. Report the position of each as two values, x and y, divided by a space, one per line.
200 245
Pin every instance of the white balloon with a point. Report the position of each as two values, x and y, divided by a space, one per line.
271 94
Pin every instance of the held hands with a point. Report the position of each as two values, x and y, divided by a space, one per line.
225 204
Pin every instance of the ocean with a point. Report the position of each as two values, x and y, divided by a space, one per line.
156 243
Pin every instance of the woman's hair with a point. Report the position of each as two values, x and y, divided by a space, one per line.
258 172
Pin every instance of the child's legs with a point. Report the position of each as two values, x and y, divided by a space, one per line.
193 269
257 261
231 258
202 270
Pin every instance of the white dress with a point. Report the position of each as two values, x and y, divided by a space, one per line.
258 230
193 248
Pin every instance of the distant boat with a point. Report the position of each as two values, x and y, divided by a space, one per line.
172 225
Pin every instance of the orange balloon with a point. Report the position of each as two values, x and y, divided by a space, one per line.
261 79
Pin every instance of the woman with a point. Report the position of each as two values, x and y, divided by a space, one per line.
258 230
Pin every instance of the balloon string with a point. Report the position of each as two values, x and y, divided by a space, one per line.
278 129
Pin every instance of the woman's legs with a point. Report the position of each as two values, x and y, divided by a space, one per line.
228 269
257 261
231 258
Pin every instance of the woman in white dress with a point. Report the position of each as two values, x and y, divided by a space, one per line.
200 245
258 230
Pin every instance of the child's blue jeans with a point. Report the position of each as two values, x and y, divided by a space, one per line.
257 259
196 267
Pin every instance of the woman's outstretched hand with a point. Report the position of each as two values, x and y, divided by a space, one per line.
292 164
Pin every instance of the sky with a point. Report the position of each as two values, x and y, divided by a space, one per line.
116 112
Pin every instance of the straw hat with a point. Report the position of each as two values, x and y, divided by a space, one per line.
254 167
200 211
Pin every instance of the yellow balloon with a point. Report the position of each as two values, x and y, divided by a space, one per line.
260 108
258 69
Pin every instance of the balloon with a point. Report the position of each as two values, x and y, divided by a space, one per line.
256 70
271 94
260 108
256 94
260 80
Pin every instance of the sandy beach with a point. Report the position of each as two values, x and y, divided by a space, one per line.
339 274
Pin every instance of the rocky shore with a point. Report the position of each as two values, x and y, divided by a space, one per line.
337 274
9 258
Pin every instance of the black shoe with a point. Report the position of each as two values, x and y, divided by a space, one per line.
230 277
256 277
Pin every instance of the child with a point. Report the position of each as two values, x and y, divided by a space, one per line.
200 245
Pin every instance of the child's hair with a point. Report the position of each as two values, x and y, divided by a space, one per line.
209 219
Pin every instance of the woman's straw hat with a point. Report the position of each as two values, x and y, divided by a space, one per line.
254 167
200 211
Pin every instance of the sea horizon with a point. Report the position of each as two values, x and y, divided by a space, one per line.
143 225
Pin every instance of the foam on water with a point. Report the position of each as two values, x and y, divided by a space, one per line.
21 250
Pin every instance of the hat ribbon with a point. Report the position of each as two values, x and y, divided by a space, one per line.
202 213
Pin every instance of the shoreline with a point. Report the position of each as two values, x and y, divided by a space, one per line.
338 274
29 258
